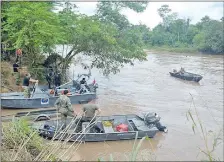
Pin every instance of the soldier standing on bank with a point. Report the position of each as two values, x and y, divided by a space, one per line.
16 72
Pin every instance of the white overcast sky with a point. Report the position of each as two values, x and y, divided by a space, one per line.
193 10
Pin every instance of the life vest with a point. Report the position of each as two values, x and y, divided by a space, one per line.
51 91
122 128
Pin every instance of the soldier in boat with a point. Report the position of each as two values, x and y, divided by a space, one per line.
174 71
57 80
180 71
90 111
84 86
83 81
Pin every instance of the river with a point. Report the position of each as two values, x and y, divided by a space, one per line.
147 86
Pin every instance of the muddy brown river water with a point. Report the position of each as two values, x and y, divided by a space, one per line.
147 86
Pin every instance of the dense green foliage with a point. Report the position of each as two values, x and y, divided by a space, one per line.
36 29
32 27
205 36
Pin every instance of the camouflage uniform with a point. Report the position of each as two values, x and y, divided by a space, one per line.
16 72
26 92
64 106
17 75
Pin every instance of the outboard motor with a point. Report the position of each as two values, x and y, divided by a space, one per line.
153 118
93 86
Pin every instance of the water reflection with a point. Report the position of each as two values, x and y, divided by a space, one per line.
120 150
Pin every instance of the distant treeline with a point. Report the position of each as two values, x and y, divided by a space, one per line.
205 36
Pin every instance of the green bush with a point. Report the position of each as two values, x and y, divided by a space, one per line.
21 143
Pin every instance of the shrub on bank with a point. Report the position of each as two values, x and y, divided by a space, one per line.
21 143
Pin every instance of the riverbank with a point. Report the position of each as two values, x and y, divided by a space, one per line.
172 50
21 143
8 78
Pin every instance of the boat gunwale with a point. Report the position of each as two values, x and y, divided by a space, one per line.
6 97
194 75
107 133
133 116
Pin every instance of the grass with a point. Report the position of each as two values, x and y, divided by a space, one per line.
193 116
8 79
21 143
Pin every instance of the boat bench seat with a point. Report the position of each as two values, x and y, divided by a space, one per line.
108 129
140 125
86 127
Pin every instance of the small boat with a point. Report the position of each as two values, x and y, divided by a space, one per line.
138 126
37 115
187 76
43 98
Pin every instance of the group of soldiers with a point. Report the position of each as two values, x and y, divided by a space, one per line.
26 80
64 107
63 103
51 78
182 70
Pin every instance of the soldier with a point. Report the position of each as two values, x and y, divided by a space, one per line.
48 78
26 82
89 114
175 71
181 70
64 106
16 72
57 80
83 81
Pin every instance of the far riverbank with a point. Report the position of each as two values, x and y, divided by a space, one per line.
158 50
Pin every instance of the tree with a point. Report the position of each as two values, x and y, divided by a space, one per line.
107 37
163 11
210 38
144 32
191 32
33 27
